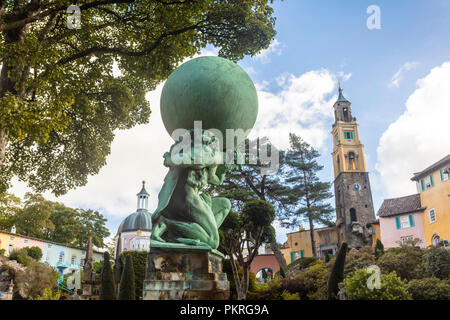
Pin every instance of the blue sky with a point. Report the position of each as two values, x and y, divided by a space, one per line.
401 117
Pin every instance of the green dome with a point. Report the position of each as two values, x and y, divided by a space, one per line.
212 89
140 220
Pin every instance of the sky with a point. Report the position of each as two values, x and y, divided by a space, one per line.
397 78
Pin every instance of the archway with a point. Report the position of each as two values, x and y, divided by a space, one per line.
353 215
265 274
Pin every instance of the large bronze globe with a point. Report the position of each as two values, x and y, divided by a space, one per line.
213 90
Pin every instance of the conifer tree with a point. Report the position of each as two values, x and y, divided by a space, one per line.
337 272
127 285
307 196
379 249
108 287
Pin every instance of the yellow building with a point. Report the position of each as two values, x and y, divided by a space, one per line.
8 242
433 184
298 244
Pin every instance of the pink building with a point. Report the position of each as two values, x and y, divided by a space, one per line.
401 220
24 241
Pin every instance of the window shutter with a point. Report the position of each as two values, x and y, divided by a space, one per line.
422 184
302 253
411 220
292 256
397 222
431 180
351 135
442 175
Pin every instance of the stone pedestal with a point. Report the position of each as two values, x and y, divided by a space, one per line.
185 273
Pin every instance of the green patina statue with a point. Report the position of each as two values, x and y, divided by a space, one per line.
221 95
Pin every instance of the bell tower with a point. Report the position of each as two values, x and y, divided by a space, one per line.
353 196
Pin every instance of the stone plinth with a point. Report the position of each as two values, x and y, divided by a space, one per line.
185 273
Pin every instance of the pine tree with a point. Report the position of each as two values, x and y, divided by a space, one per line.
379 249
308 196
108 287
337 272
327 257
127 285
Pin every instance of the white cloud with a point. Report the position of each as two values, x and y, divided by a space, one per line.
303 106
398 76
419 137
264 55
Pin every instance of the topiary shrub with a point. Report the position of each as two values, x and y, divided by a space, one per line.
139 264
406 261
429 289
357 260
337 272
436 262
392 287
127 282
34 252
107 287
2 252
379 249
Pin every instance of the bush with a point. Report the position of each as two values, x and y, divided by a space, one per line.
48 295
379 249
310 284
35 279
406 261
357 260
392 287
2 252
436 262
21 256
429 289
337 272
34 252
127 282
139 264
107 287
273 290
252 286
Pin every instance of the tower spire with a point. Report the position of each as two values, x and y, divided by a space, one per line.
142 198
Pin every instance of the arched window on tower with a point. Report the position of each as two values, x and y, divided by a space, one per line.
345 112
351 161
352 215
338 163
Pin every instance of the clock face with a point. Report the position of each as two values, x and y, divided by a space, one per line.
356 187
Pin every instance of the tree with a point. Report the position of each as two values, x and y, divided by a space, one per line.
9 206
337 272
34 219
308 195
379 249
60 102
251 182
247 230
139 265
127 284
108 287
91 222
35 253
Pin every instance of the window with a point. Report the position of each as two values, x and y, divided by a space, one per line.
336 139
352 214
427 182
432 215
25 241
61 256
351 161
445 174
11 238
72 261
10 248
406 221
405 239
436 240
348 135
